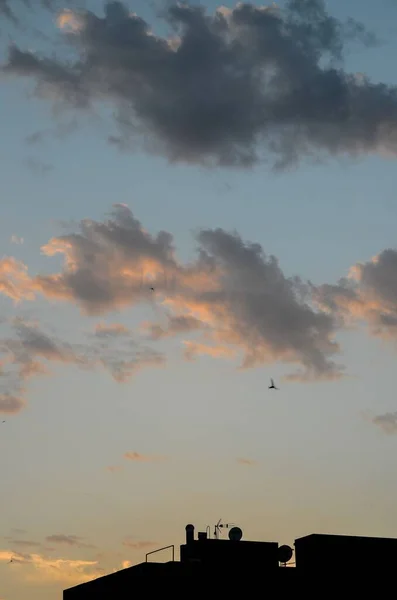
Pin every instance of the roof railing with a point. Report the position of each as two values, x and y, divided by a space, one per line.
160 549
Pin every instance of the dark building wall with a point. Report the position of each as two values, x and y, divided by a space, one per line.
121 584
225 554
344 553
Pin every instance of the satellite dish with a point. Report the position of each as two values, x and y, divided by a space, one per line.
285 554
235 534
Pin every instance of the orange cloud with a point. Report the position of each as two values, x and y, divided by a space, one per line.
246 461
368 295
135 456
70 21
114 468
233 295
37 568
15 281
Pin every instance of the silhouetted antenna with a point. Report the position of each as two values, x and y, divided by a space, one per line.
220 526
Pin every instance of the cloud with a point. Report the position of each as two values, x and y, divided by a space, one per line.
232 301
114 468
131 542
15 10
38 568
7 11
29 351
25 543
18 531
176 325
136 457
246 461
38 166
15 239
68 540
387 422
368 295
110 330
14 280
228 88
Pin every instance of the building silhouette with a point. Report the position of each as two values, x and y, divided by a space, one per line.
333 557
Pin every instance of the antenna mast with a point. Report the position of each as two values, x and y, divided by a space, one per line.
220 526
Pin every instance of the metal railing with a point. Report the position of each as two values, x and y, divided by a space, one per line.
160 549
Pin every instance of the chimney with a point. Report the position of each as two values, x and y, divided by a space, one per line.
189 534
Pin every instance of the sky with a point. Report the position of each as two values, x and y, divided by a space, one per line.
196 198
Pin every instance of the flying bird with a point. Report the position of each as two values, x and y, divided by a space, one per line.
272 386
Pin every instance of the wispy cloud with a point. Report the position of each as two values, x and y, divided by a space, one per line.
68 540
246 462
137 457
387 422
134 544
38 568
114 468
24 543
15 239
111 329
29 352
38 167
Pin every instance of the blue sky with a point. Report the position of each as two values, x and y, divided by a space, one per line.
319 462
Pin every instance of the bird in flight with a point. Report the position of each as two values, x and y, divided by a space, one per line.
272 386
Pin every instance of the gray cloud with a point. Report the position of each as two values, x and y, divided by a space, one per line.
68 540
368 294
14 10
25 543
229 88
30 351
387 422
176 325
38 166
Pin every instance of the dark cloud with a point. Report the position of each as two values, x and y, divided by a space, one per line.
228 88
